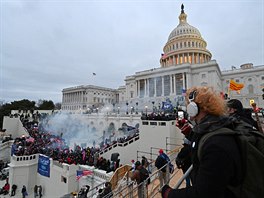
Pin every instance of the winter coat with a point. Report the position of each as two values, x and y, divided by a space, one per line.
219 165
160 162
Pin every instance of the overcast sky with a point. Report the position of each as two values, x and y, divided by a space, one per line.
49 45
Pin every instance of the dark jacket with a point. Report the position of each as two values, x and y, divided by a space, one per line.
160 162
183 159
245 115
219 165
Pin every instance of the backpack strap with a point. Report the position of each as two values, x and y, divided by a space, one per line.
204 138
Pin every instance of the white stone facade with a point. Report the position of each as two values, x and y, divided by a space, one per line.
85 98
185 63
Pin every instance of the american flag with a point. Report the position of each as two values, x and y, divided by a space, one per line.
81 173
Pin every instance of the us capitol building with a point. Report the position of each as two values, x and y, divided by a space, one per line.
185 63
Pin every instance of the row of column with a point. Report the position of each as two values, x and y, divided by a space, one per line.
74 97
172 85
192 58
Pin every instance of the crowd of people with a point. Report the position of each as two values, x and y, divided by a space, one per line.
55 147
159 116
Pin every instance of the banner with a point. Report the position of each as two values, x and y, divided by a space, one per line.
44 166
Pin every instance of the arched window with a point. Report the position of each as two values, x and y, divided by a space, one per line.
250 89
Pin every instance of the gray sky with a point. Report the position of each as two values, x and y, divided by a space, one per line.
48 45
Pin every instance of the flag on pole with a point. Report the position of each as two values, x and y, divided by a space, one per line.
81 173
235 86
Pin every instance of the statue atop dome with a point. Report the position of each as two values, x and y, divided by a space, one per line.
182 8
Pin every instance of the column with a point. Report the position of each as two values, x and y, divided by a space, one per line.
188 78
162 86
174 62
138 92
155 91
178 57
148 86
192 58
171 83
183 79
145 87
174 84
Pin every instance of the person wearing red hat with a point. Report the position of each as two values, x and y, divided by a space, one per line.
160 163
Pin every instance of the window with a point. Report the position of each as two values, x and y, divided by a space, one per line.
250 79
262 77
250 89
162 124
237 80
203 75
153 123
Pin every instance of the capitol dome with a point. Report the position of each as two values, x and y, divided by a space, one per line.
185 45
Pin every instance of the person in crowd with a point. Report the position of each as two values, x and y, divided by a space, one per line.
24 191
220 162
82 193
107 191
235 109
162 164
183 159
5 189
137 177
13 190
145 163
35 191
40 191
133 166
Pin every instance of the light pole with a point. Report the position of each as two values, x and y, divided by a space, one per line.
153 105
136 107
118 110
131 110
146 108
